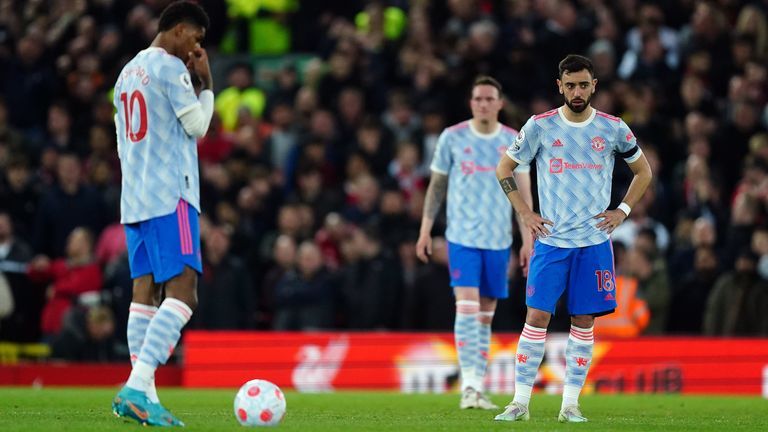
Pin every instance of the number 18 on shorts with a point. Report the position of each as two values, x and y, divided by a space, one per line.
585 274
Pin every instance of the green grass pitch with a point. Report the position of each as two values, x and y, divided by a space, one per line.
81 409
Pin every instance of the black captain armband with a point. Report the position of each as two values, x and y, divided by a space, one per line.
508 184
629 153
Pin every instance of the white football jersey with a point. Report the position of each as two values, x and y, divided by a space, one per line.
157 156
574 164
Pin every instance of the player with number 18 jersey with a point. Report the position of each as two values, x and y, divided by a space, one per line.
574 148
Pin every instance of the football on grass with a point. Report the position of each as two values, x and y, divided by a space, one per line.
259 403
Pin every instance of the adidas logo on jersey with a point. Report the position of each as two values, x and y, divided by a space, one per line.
557 143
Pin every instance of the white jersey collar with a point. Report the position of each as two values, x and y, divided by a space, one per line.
479 134
577 124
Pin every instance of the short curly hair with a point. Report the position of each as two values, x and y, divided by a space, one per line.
183 11
574 63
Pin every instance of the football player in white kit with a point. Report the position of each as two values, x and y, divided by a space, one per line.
574 148
158 120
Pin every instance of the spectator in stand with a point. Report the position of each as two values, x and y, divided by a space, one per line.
240 93
393 223
216 146
11 138
689 298
110 245
22 324
311 191
305 297
374 144
6 300
432 308
283 261
350 111
329 237
19 196
400 119
738 301
752 21
703 234
284 137
652 286
650 25
405 169
628 231
59 133
362 201
87 335
434 123
225 293
70 279
371 284
288 223
68 204
28 84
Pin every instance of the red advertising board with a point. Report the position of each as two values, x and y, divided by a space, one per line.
426 362
78 374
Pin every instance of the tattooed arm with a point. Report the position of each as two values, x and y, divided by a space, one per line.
438 188
528 220
523 180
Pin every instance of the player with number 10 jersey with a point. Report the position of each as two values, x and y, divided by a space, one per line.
158 117
157 156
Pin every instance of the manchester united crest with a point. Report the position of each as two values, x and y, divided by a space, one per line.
598 144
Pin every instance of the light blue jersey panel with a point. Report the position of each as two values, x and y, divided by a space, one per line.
479 214
157 157
574 163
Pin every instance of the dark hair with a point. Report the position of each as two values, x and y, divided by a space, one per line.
183 11
574 63
487 80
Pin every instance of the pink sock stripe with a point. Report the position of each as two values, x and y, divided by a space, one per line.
534 330
532 336
142 312
178 308
577 332
466 309
582 335
144 307
468 302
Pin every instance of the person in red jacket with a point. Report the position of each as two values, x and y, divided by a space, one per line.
69 278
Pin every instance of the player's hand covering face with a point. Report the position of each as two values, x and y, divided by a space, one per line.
189 39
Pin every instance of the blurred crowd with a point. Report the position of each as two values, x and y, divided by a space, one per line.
313 183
